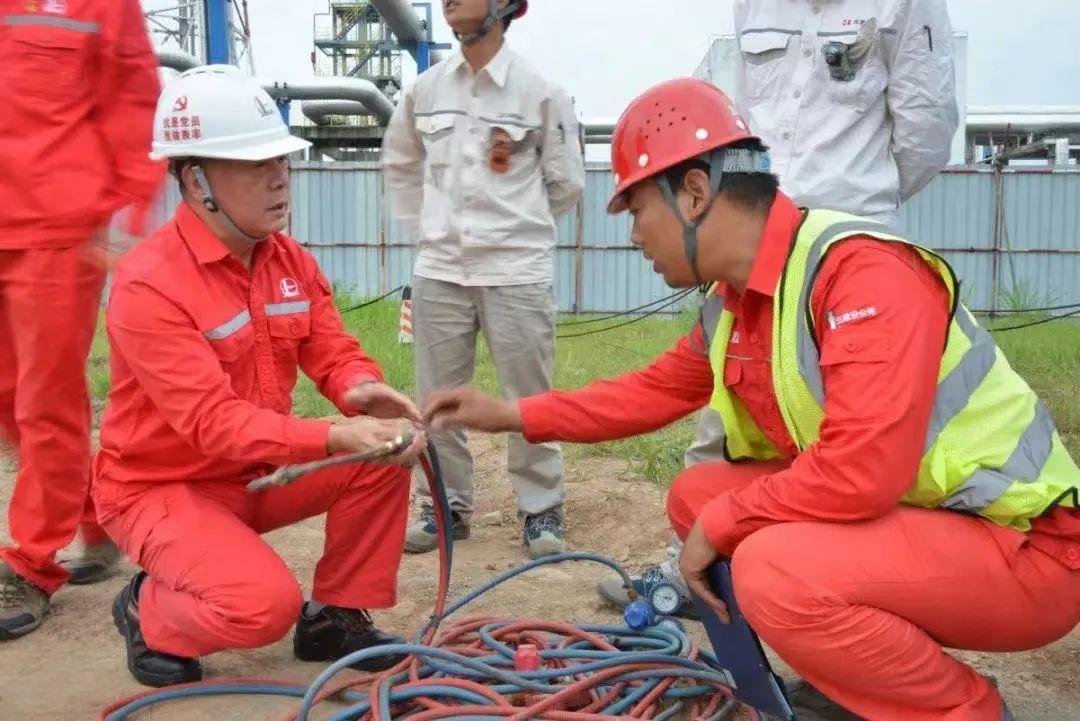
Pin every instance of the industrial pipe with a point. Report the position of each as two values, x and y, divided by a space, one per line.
320 111
1033 119
401 18
364 92
176 59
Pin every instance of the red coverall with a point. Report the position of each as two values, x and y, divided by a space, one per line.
204 361
855 592
80 85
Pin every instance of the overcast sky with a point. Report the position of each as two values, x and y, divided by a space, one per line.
606 51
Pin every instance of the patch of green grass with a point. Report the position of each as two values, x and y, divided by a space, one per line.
1048 356
97 368
1023 295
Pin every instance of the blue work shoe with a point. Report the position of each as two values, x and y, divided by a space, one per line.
421 536
544 533
663 579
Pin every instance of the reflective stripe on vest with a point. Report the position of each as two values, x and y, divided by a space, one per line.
953 392
807 348
987 485
746 440
710 316
991 447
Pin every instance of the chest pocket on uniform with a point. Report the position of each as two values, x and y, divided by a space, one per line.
763 58
507 144
289 323
232 339
46 62
435 133
871 76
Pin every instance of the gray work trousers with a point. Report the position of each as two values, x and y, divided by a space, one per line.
708 445
518 322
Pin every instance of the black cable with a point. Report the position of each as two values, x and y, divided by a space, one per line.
384 296
1035 322
642 317
1067 306
682 293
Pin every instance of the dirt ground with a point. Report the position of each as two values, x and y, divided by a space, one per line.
74 666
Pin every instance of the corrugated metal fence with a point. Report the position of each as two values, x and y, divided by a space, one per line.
1012 232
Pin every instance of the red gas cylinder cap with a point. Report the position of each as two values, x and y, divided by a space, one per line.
527 658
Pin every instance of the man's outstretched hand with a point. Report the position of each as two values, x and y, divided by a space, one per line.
471 408
379 400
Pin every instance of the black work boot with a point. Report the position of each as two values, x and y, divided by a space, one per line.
332 633
149 668
809 704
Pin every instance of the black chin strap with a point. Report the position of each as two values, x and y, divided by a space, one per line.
721 161
494 15
690 227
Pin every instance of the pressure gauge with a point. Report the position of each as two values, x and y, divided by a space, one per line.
665 599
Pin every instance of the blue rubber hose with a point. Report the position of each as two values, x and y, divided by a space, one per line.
666 648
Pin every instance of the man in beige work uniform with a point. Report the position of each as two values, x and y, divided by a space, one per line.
480 158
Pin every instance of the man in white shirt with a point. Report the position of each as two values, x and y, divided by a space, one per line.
855 98
856 101
481 156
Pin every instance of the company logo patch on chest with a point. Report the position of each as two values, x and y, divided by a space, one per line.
839 319
289 288
55 7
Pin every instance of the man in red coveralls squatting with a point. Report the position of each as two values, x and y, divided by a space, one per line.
208 320
884 459
80 84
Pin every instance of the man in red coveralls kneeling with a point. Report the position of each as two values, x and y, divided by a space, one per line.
208 321
893 486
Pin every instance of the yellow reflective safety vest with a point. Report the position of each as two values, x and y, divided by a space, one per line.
991 448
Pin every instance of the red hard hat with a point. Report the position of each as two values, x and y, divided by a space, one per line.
522 8
668 124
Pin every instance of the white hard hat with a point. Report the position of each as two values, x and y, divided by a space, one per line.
215 111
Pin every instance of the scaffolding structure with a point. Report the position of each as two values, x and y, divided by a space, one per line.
352 40
184 25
